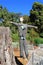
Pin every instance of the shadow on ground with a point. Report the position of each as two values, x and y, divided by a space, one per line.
17 61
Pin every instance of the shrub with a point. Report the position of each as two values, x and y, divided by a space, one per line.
38 41
41 35
15 37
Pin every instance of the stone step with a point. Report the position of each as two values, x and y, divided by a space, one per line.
24 61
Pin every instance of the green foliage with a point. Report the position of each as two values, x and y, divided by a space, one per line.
37 6
41 35
38 41
1 24
15 37
27 36
32 35
36 16
7 18
26 19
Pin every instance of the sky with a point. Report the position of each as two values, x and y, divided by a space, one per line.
19 6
